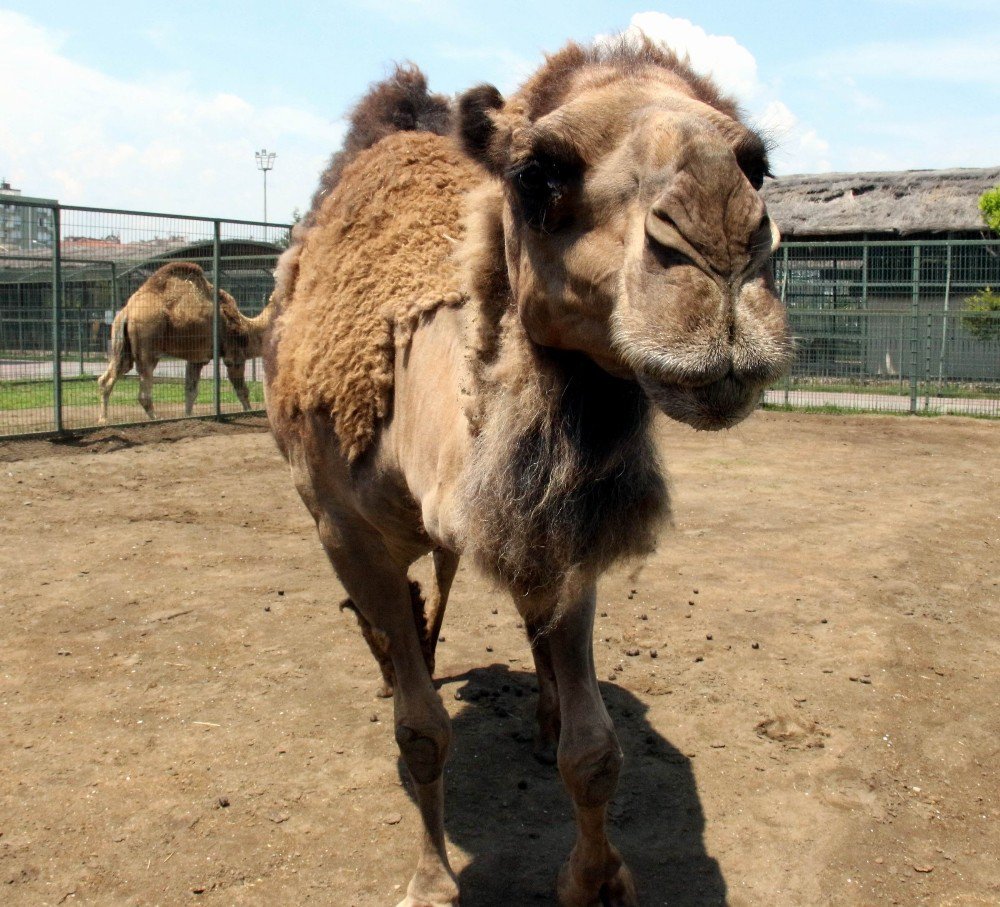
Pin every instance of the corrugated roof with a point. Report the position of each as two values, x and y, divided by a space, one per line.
900 202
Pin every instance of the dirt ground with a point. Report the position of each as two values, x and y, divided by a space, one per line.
187 717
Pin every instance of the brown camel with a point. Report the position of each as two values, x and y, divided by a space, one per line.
474 330
171 315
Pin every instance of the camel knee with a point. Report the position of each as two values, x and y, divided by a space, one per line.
424 749
591 773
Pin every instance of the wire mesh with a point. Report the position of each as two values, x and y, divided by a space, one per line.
89 336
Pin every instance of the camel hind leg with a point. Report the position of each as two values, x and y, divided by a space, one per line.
145 368
120 363
192 375
379 643
445 568
547 711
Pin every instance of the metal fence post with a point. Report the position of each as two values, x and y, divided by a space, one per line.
784 305
57 319
944 319
927 362
914 326
216 276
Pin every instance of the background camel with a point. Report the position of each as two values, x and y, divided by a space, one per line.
472 337
171 315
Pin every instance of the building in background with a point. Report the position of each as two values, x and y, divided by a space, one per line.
24 227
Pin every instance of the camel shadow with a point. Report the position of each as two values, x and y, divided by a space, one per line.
511 815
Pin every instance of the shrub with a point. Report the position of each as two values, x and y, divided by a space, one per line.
989 206
982 314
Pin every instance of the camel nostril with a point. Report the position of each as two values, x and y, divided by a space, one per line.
666 243
661 230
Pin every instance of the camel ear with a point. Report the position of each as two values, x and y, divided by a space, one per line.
477 128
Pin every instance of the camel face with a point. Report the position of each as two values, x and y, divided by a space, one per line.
634 233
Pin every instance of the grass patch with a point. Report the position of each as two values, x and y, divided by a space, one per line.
889 388
829 410
82 391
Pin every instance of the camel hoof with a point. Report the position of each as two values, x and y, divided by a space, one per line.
411 901
441 891
618 891
384 691
545 751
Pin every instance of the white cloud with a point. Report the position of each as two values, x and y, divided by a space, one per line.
731 65
798 146
73 132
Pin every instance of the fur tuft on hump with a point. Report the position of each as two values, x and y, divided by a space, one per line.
178 270
401 103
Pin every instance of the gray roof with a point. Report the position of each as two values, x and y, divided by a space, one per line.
902 202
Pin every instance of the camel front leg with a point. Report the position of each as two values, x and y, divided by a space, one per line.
237 377
589 759
547 711
381 593
192 375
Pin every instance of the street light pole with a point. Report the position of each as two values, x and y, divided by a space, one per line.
265 162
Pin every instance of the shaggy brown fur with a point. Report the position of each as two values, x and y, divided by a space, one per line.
384 259
564 472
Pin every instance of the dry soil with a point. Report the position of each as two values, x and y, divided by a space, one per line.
811 718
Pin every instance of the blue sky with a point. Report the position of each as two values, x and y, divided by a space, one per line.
160 106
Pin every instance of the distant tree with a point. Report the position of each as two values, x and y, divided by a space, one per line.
982 315
989 206
982 309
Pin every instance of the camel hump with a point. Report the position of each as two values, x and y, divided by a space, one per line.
178 270
401 103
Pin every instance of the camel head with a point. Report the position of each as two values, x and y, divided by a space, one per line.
632 226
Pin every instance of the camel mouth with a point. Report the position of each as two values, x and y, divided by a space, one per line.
719 404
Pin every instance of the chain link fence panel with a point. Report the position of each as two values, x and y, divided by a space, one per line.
114 317
891 326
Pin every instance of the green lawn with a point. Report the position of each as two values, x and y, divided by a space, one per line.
82 391
830 410
889 387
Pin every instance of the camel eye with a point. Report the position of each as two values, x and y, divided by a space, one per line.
541 186
532 178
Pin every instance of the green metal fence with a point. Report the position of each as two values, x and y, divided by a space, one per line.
60 292
878 326
884 326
